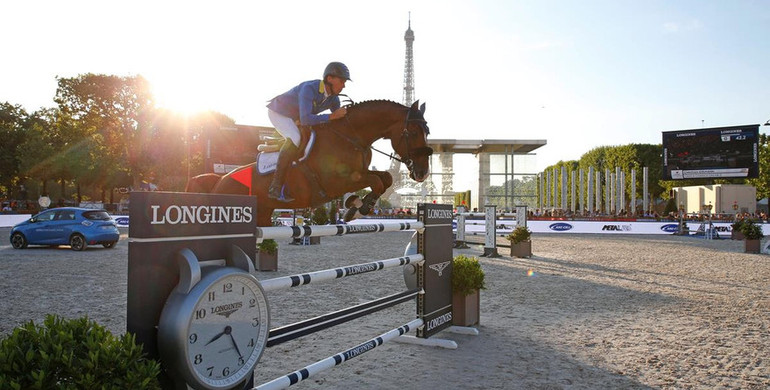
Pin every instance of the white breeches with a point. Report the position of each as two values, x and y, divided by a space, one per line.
285 126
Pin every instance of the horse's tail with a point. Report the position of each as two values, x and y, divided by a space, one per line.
202 183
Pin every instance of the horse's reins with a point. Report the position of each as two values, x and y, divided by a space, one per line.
404 135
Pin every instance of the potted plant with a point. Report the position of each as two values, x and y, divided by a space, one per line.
267 255
467 280
737 226
753 235
521 245
320 217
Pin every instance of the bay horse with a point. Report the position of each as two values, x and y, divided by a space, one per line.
338 162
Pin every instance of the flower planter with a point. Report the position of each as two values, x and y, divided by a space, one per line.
267 261
736 235
315 240
521 249
466 309
752 246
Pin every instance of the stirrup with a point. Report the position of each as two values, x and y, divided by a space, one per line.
278 194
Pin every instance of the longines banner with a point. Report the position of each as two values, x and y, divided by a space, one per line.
605 227
162 224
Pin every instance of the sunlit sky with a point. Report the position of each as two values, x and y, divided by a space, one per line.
578 74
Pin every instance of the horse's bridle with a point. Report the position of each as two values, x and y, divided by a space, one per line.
425 150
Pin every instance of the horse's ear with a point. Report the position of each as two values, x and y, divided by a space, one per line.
422 108
415 105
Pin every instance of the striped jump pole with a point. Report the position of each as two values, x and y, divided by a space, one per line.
279 232
336 273
332 361
432 289
497 222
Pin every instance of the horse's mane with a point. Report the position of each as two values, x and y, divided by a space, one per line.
365 103
359 106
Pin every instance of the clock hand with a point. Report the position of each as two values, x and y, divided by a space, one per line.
236 345
217 336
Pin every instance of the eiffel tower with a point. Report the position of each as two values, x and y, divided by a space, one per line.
401 179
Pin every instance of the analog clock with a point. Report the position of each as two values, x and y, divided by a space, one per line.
212 336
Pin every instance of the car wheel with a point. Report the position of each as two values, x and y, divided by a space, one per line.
77 242
18 241
109 245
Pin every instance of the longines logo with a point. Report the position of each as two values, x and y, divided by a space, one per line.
226 310
359 269
438 321
439 267
362 228
438 213
365 347
174 214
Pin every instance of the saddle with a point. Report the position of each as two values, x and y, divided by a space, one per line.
267 158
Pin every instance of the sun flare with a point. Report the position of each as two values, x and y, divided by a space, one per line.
183 95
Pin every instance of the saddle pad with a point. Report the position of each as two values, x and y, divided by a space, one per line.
267 161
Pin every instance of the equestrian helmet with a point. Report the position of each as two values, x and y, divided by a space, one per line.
337 69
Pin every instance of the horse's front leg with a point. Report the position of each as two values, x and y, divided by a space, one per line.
378 181
370 199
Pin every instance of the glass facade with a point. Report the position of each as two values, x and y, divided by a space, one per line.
502 179
508 180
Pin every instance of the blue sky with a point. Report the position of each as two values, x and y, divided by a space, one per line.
579 74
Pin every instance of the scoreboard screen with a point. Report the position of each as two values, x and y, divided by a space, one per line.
715 153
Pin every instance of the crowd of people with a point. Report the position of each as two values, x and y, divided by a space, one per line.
643 215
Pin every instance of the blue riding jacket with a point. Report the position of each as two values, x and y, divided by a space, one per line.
304 102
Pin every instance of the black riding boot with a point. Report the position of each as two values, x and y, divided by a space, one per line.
287 154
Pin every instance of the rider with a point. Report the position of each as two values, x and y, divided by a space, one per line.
302 105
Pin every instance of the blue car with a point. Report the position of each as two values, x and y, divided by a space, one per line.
73 226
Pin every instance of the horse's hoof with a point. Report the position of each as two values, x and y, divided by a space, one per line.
350 214
353 201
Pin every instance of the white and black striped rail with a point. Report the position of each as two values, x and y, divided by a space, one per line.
280 232
303 328
332 361
336 273
485 214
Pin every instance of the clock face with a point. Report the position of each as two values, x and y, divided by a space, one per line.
227 331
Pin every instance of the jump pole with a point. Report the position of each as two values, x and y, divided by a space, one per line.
335 360
433 291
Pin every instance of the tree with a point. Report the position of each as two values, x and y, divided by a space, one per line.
41 150
762 183
625 157
120 110
12 131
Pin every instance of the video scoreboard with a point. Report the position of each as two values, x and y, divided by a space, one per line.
713 153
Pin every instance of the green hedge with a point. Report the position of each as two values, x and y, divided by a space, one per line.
73 354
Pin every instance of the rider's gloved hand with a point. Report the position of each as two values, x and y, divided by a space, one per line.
338 113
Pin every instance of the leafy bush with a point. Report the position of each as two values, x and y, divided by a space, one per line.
738 224
73 354
268 246
519 234
320 216
467 275
751 230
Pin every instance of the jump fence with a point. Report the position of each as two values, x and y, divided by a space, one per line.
433 290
